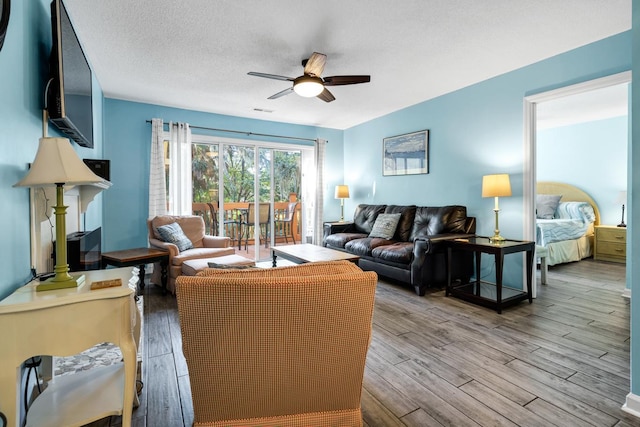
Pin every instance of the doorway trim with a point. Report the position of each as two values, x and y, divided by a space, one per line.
530 147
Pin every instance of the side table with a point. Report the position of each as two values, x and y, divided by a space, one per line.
610 243
496 296
61 323
138 257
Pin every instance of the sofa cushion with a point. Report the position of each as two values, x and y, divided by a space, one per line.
363 247
339 240
385 225
399 252
408 213
365 216
430 221
172 233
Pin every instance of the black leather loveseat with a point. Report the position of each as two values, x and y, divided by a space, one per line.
415 254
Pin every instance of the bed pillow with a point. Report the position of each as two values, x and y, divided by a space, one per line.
576 210
172 233
385 226
546 205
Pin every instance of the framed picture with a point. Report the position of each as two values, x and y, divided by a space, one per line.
406 154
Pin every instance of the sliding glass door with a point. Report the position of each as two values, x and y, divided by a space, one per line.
252 192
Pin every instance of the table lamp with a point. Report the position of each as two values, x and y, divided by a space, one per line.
497 185
622 199
342 192
56 165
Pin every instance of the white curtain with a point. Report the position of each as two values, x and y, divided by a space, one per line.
180 177
320 147
157 178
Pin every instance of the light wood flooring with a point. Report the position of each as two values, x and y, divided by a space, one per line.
439 361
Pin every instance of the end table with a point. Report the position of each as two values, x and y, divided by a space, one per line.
496 296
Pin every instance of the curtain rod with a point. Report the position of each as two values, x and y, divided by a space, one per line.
246 132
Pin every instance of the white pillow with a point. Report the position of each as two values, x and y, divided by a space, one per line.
385 226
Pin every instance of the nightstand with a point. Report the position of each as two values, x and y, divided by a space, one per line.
610 244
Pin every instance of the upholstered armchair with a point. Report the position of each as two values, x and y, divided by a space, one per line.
203 246
279 346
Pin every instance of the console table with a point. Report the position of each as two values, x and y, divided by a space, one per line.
62 323
490 295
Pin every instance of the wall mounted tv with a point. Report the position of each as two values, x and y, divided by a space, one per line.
69 102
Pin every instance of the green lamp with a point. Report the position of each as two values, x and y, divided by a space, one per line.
56 165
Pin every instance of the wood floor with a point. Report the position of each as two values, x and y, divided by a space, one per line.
436 360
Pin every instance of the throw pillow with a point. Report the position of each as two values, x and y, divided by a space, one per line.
546 205
231 267
172 233
385 226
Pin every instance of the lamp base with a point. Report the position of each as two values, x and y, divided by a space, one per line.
497 239
52 284
622 224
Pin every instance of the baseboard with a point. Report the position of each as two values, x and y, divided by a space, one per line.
632 405
626 293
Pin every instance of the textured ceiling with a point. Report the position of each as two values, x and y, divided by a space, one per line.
195 54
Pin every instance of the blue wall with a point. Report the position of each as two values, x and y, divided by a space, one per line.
127 145
24 70
592 156
475 131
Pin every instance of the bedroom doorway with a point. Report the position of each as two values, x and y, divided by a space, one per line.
531 120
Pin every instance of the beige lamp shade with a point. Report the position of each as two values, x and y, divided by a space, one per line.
57 162
56 165
497 185
342 191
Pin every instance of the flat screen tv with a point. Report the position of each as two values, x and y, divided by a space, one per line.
69 102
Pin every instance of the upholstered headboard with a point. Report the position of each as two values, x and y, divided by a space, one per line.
569 193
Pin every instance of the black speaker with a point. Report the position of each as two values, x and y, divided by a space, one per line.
99 167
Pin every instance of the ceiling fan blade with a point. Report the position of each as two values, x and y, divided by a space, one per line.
287 91
345 80
270 76
326 96
315 64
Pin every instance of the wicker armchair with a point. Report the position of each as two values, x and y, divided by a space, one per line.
277 347
204 246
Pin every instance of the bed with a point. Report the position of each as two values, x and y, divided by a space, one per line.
565 221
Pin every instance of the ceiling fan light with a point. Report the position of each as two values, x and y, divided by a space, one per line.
308 86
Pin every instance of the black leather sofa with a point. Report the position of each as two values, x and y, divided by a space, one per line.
415 255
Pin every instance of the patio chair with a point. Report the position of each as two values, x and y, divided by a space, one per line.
209 214
248 223
284 226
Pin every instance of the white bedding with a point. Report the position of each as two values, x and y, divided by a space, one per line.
558 230
569 235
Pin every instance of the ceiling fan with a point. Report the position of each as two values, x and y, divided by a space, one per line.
310 84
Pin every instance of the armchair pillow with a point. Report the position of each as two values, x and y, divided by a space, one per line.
385 226
173 233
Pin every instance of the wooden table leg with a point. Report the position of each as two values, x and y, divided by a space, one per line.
499 264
